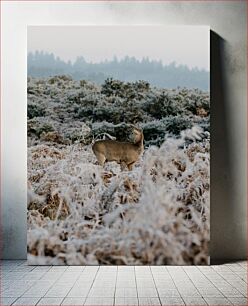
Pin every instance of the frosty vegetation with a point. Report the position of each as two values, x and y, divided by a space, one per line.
82 213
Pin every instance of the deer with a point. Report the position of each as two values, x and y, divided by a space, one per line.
124 153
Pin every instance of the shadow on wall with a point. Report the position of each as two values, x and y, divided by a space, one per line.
222 221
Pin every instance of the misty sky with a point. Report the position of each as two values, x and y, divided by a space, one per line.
187 45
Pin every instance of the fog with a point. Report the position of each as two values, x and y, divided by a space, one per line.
186 45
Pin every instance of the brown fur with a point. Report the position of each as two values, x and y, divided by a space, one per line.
124 153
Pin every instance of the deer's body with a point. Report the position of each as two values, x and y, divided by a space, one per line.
124 153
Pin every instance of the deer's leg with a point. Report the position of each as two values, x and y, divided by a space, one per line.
123 165
100 158
130 166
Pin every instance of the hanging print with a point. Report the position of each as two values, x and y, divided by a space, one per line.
118 127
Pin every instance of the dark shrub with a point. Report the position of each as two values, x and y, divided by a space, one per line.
35 110
162 105
177 124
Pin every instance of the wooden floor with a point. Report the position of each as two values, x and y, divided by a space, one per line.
120 285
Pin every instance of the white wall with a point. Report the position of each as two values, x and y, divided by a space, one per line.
228 109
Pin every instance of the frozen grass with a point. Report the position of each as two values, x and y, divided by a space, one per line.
80 213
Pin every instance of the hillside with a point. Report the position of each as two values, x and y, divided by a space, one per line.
82 213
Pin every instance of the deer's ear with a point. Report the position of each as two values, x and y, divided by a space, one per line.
138 130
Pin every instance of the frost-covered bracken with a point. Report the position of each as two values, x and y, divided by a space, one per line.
82 213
